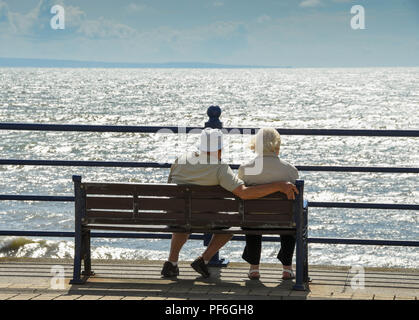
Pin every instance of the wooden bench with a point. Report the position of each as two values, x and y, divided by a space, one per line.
183 208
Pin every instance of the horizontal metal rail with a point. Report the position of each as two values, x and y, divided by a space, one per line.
357 205
65 234
312 204
21 197
179 129
131 164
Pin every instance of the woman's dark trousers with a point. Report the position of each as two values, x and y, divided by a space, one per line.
253 249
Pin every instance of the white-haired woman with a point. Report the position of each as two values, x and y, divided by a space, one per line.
264 168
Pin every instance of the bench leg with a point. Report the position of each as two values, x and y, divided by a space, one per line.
81 237
77 258
301 220
87 254
306 278
299 276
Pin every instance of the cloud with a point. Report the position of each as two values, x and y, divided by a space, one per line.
103 28
36 23
310 3
135 7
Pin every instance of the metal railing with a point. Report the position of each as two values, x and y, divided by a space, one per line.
214 122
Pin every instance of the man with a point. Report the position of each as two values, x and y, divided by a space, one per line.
205 168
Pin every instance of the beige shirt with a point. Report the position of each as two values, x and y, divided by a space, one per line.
193 168
274 169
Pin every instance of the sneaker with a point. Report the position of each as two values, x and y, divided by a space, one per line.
169 270
199 266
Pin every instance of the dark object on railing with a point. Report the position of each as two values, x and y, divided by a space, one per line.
183 208
214 122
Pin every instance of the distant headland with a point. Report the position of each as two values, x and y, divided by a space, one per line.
51 63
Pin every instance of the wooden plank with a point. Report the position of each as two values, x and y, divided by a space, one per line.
165 229
140 221
170 204
215 219
261 227
161 221
268 206
124 215
109 203
268 218
209 191
130 189
144 203
215 205
94 214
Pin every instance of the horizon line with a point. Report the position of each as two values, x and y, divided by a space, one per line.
8 62
27 62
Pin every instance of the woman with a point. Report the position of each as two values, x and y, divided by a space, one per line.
267 167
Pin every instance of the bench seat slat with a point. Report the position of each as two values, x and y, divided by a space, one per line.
219 219
153 189
125 203
153 216
164 229
268 218
130 189
268 206
160 222
214 205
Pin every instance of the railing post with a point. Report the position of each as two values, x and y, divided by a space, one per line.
301 281
214 122
77 231
306 278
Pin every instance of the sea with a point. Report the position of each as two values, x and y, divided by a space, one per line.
292 98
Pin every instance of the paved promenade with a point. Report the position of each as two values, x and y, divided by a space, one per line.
24 279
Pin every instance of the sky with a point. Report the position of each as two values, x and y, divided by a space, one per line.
299 33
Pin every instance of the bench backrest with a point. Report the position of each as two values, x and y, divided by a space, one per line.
189 205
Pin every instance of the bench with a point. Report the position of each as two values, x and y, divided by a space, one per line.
166 208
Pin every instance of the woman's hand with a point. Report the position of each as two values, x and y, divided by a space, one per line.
287 188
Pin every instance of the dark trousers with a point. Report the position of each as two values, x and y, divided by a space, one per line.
253 248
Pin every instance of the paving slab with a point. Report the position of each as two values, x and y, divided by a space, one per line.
378 297
111 298
46 297
89 297
133 298
6 296
68 297
24 297
405 298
